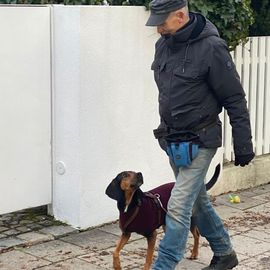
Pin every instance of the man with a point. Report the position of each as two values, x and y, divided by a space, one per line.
195 77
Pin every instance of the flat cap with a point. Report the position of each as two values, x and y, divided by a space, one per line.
160 10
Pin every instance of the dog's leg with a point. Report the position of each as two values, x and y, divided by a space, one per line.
116 258
195 251
164 228
151 242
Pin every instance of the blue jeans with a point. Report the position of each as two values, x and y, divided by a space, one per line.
189 198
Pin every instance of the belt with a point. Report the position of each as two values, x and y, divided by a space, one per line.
186 135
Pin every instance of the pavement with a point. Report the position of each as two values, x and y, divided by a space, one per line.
31 239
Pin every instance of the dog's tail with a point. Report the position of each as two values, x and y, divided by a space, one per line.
214 178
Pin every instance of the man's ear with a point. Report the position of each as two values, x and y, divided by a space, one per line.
113 190
180 16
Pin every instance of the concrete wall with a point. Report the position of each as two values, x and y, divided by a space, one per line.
237 178
25 108
105 108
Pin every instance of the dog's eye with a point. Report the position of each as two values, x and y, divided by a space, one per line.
125 174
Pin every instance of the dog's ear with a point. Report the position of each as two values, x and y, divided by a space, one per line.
139 179
113 190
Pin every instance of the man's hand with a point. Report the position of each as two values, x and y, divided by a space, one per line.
243 160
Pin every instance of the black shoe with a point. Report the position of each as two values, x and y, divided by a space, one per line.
223 262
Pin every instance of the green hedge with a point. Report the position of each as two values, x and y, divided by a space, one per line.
232 17
261 27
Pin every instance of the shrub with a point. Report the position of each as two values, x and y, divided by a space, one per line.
261 27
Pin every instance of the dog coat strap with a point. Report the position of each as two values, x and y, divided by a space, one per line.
123 227
156 198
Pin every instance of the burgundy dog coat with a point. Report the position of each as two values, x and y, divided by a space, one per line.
150 214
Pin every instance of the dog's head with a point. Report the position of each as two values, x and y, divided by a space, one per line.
126 181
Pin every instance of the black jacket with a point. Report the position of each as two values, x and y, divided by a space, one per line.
196 77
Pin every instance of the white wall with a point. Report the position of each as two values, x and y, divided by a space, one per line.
25 108
105 108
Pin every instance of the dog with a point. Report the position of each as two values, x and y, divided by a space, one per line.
144 212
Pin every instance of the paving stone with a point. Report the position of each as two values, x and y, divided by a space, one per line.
238 230
93 239
267 205
9 242
226 212
138 246
41 218
13 223
111 228
260 262
129 260
251 246
246 202
23 229
16 260
263 228
26 222
55 251
33 238
114 229
58 231
6 217
46 223
257 234
263 197
186 264
247 193
3 229
242 267
261 189
11 232
72 264
262 209
34 226
249 220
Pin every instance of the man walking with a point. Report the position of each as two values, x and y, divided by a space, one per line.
195 77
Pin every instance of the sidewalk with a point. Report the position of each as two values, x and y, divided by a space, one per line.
32 240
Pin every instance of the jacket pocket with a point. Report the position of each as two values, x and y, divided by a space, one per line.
187 72
157 67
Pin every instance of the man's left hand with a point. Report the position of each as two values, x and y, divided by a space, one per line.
243 160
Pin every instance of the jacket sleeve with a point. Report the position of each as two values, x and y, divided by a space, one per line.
224 81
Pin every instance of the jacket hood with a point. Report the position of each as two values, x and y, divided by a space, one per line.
198 28
208 30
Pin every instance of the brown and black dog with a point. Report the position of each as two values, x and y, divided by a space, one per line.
144 212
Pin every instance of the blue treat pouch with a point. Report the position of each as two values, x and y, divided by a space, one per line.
182 153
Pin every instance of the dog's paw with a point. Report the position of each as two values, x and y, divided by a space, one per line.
193 256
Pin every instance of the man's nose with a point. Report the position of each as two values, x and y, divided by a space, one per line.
159 29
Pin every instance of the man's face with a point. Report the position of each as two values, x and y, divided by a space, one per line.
175 21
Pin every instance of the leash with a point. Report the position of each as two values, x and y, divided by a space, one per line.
156 199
